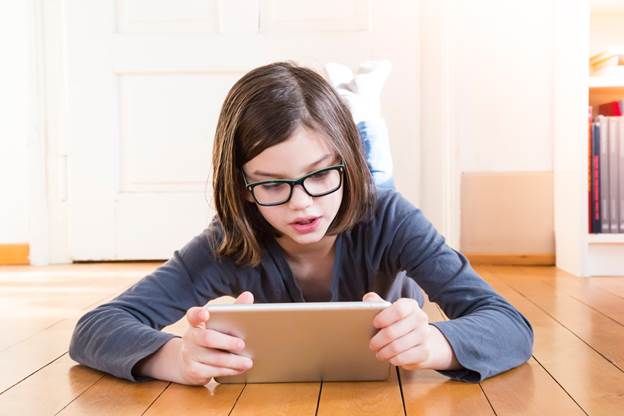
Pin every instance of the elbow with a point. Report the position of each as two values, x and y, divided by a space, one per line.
78 339
526 339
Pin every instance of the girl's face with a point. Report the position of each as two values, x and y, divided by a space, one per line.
304 219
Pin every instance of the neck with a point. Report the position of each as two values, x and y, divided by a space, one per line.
298 252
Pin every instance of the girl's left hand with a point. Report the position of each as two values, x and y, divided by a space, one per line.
404 336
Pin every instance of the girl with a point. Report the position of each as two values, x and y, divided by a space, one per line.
299 219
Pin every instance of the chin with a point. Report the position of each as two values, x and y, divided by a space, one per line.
308 238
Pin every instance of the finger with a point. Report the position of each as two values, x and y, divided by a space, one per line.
411 359
395 331
413 339
372 297
224 359
200 373
397 311
197 316
211 338
245 298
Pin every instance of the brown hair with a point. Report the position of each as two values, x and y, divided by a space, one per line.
263 109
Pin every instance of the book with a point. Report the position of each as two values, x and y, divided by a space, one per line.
595 185
604 172
621 176
614 154
607 62
590 214
614 108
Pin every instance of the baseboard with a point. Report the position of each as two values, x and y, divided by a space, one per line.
502 259
11 254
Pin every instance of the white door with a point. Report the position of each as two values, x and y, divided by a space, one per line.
146 79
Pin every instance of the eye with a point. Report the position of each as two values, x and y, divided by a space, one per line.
320 175
272 186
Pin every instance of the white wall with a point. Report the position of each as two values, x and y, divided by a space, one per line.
501 97
503 70
15 121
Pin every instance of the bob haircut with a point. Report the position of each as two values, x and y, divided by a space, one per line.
262 109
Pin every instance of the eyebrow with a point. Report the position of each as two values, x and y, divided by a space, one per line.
277 175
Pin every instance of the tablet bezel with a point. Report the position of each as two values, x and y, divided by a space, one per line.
244 320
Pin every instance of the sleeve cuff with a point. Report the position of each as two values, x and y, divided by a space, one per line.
145 348
469 371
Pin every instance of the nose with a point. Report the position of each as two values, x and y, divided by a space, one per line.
299 198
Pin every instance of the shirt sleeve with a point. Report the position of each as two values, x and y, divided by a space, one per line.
486 333
115 336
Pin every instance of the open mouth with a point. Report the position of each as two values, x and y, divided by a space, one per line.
306 225
306 221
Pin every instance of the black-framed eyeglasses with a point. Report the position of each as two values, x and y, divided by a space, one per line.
278 191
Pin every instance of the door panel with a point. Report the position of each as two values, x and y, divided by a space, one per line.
146 80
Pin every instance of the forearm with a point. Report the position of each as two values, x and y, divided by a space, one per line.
163 364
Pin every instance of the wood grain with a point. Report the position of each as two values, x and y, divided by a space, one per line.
278 399
576 367
113 396
594 383
362 398
50 389
603 334
427 392
214 399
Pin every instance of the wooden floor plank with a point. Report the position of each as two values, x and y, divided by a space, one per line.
34 298
114 396
25 357
278 399
573 319
592 381
213 400
528 390
581 288
597 330
525 390
427 392
49 390
614 285
362 397
22 359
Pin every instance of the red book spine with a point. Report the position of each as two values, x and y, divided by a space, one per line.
613 108
596 189
590 214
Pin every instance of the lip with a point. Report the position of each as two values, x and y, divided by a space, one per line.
306 228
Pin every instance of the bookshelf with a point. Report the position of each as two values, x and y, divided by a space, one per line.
581 27
606 83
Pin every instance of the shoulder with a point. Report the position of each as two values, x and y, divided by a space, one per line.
391 203
391 212
200 252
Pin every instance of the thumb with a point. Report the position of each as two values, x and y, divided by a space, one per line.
197 316
372 297
245 298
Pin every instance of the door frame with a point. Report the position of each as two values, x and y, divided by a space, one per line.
48 193
439 156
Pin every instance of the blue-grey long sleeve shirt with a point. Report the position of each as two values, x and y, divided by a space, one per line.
396 253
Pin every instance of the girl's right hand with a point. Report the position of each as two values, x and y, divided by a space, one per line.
206 353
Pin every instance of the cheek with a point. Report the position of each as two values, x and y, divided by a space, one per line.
337 201
272 215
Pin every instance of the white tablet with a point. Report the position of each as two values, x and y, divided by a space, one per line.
291 342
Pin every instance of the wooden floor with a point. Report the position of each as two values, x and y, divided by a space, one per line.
577 365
